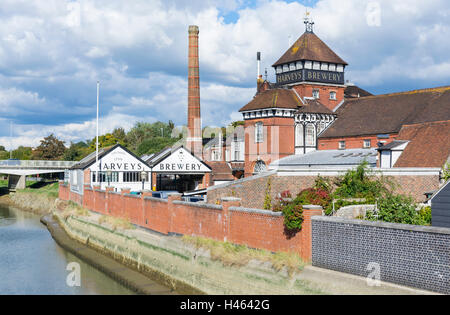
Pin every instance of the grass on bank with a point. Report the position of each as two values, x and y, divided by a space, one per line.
239 255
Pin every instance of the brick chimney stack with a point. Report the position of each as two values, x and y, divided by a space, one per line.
194 141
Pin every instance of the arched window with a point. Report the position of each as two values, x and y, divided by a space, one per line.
310 135
260 167
299 135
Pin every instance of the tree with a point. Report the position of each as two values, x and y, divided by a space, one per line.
77 151
105 141
145 132
22 153
51 148
119 133
154 145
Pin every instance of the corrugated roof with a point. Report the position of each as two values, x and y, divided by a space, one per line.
330 158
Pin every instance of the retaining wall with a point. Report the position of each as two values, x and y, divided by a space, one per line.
225 222
415 256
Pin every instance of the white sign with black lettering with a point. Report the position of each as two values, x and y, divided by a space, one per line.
120 160
181 161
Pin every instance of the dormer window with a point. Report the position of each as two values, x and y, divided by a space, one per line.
316 93
333 95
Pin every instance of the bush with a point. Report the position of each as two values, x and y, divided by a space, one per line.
314 196
293 217
358 183
399 209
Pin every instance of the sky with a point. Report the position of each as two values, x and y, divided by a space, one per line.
52 52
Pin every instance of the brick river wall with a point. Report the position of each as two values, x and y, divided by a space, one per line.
225 222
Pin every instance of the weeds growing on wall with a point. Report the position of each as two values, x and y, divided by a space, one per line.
400 209
360 183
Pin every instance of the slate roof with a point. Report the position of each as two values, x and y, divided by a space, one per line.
386 114
330 158
309 47
429 145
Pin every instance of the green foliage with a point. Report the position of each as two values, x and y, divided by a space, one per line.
154 145
314 196
425 215
51 148
77 151
105 141
399 209
293 217
268 197
446 172
22 153
145 131
361 183
4 155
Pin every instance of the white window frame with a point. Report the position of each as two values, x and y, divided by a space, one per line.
299 140
316 94
365 142
259 132
342 145
333 95
310 138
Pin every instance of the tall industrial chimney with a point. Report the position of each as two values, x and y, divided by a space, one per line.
194 141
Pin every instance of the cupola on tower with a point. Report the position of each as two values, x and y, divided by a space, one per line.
312 69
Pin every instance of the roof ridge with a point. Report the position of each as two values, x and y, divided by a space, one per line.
435 89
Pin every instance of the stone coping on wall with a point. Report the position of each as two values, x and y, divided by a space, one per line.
257 211
156 199
132 196
242 180
198 205
406 227
337 171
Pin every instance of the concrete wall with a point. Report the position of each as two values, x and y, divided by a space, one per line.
414 256
225 222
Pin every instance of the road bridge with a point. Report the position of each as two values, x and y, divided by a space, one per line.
17 170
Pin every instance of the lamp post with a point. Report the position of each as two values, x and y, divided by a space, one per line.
143 178
108 175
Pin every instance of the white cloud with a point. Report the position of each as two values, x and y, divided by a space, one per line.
52 52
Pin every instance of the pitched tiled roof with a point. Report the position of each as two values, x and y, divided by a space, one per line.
221 171
274 98
309 47
353 91
429 145
314 106
385 114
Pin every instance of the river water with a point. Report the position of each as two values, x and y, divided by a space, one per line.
32 263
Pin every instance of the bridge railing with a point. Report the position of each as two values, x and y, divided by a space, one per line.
37 164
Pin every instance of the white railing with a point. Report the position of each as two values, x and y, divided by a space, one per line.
36 164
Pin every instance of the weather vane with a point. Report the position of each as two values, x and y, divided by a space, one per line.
308 22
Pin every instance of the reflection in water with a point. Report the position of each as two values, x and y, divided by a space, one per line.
32 263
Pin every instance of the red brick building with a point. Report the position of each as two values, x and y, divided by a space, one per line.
286 117
310 108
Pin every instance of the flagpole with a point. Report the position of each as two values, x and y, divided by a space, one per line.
96 141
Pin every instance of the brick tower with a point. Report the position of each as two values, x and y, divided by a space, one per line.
194 140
